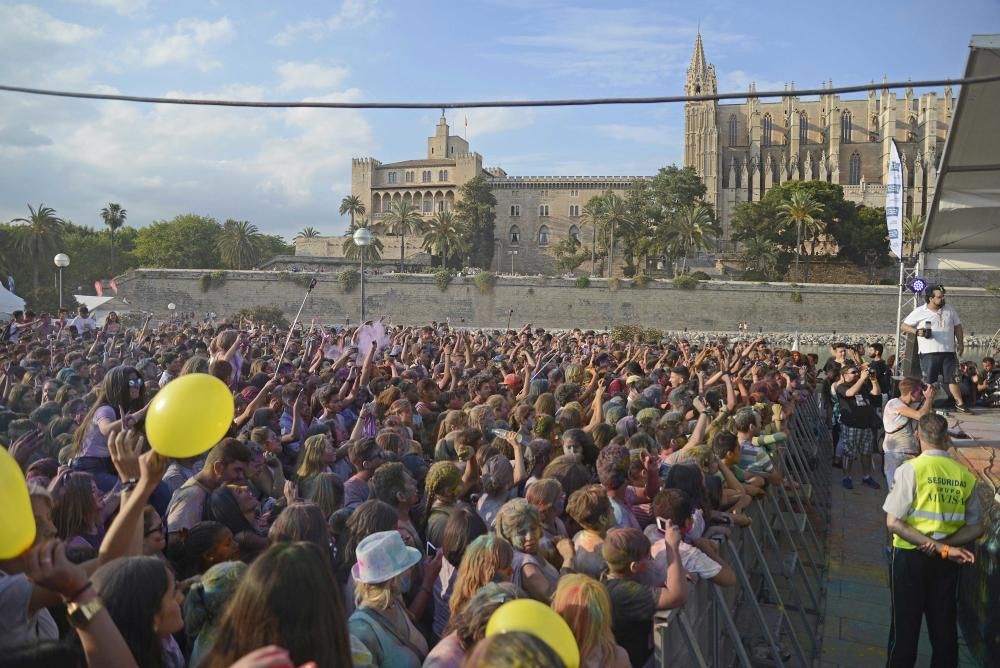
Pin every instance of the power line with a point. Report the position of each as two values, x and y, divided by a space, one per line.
573 102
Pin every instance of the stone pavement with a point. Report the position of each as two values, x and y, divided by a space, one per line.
856 626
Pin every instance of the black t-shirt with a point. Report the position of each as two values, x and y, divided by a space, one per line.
880 370
632 608
857 411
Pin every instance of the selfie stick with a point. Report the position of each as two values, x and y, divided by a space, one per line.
288 339
545 360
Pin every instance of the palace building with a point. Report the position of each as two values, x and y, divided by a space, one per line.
739 150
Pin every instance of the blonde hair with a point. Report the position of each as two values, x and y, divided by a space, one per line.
377 595
483 558
543 492
328 493
311 457
584 604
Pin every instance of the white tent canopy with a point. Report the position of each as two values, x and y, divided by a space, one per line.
9 302
963 226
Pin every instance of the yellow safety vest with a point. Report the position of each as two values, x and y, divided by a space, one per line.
943 490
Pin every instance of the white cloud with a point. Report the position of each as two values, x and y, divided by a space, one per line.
352 14
27 23
310 76
642 134
490 121
735 81
185 43
121 7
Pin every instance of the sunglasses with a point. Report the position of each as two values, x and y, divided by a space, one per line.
134 382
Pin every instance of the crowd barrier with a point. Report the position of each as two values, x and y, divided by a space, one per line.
774 614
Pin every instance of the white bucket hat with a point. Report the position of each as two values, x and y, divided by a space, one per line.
382 556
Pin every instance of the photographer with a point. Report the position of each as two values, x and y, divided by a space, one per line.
940 340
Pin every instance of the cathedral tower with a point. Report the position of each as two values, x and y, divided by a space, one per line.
701 133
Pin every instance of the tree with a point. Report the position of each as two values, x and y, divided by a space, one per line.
38 238
309 232
692 229
593 213
273 244
675 188
759 255
114 217
568 257
373 252
475 211
353 205
444 236
615 214
913 232
802 212
401 219
240 244
188 241
862 236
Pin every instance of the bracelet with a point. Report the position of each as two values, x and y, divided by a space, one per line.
944 552
79 592
129 485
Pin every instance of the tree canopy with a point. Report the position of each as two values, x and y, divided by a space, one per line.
475 211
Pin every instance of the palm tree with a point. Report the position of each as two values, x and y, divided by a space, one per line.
615 213
240 244
759 255
913 230
691 230
803 212
593 213
353 205
307 233
352 251
401 219
445 237
114 217
38 238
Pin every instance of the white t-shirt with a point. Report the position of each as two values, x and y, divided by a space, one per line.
696 563
17 627
942 326
892 421
83 324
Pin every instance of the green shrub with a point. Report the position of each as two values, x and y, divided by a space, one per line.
582 282
700 275
796 296
614 284
651 336
348 279
626 333
485 281
641 281
265 316
752 276
685 282
995 289
443 278
215 278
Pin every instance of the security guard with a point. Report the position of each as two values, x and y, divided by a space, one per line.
932 511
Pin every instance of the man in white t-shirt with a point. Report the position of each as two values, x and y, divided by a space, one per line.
899 419
940 340
83 322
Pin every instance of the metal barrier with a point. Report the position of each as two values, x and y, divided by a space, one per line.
773 616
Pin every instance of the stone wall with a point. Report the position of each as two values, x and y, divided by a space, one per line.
554 303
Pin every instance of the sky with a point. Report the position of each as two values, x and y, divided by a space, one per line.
284 170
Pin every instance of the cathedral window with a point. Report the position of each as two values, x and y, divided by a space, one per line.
803 127
515 210
574 233
574 210
392 177
543 235
515 234
845 127
854 175
734 127
543 210
766 139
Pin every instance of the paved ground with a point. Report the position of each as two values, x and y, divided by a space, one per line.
856 629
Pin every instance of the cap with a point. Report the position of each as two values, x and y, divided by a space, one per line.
512 380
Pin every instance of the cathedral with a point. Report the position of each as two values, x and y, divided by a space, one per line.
743 150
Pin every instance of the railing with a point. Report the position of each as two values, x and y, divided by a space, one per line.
774 614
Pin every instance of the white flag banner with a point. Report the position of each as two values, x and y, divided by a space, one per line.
894 202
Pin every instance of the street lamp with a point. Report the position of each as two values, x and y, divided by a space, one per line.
363 239
62 261
512 253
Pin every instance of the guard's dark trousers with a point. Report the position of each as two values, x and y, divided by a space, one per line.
923 586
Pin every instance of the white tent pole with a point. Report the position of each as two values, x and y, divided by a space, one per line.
899 320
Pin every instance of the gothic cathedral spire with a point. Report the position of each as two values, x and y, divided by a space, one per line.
701 134
700 75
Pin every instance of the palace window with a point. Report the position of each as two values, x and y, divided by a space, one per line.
574 193
443 175
426 176
854 175
543 193
574 233
543 210
515 234
442 205
803 127
734 127
845 127
574 210
409 177
392 177
766 139
543 235
515 210
428 204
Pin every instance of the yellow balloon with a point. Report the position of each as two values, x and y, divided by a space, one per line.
190 415
541 621
17 530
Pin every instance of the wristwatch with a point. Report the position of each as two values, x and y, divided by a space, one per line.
80 614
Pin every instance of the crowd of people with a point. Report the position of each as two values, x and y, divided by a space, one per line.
377 499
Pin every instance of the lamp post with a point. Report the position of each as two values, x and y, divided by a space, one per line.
170 307
62 261
363 239
512 253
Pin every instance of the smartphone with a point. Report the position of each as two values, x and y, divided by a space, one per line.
431 550
661 524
